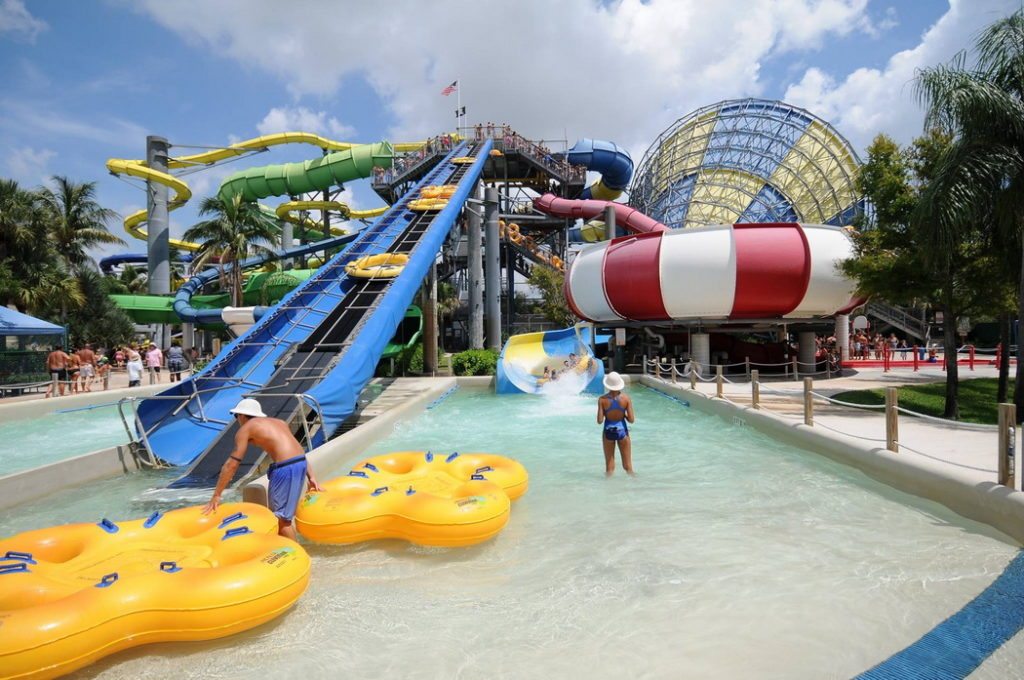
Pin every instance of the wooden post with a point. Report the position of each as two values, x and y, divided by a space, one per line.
672 367
916 358
718 381
693 375
808 402
657 368
1007 445
755 388
892 425
644 362
746 361
970 356
796 370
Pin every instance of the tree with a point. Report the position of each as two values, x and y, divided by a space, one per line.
76 220
980 177
129 282
98 320
235 230
550 283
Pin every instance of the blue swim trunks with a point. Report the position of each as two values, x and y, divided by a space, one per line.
287 484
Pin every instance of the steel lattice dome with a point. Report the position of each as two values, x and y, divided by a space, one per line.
748 160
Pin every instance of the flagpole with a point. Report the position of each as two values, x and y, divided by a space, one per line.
458 107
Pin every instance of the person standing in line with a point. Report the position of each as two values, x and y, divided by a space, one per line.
614 409
154 360
175 361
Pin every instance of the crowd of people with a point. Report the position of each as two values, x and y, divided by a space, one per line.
79 370
875 346
570 364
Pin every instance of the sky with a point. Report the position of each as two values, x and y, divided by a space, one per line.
88 80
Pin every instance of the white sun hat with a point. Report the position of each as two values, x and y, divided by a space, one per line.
249 407
613 382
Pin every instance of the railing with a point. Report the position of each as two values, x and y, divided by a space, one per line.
1006 429
899 318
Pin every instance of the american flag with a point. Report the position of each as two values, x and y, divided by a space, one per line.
451 88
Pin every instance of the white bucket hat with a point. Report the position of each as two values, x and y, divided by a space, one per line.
613 382
249 407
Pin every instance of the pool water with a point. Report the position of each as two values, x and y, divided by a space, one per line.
29 443
729 555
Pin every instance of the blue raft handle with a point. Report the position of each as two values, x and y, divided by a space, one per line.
237 531
485 468
451 457
13 568
22 556
169 567
429 456
231 518
358 473
108 526
478 478
107 580
152 520
371 466
379 491
410 492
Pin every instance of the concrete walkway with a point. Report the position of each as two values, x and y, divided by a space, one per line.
970 449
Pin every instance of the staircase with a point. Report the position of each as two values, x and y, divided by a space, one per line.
910 323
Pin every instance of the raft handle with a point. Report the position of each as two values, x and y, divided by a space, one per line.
451 457
231 518
23 556
107 580
13 568
152 520
410 492
108 526
378 491
429 456
357 473
478 478
169 567
485 468
370 466
237 531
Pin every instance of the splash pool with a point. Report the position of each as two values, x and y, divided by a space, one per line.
29 443
729 555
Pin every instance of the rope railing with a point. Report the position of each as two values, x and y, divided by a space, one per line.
1006 430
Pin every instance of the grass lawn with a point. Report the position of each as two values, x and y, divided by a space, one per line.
977 399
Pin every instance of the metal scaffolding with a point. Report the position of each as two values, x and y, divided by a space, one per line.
748 160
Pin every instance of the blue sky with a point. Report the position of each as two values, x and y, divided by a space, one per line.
85 81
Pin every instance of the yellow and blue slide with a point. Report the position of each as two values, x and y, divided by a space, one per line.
527 362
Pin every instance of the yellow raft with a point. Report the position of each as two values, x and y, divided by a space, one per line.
72 594
424 204
426 498
384 266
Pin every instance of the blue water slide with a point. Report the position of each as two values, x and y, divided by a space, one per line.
607 158
186 420
108 263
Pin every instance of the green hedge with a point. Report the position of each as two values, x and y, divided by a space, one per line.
475 362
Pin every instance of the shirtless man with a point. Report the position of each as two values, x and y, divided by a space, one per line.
87 358
288 472
57 365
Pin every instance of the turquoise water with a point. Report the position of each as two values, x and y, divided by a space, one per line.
32 442
730 555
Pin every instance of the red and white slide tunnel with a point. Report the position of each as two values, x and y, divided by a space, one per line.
739 271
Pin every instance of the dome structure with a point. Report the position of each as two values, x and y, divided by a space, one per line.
748 160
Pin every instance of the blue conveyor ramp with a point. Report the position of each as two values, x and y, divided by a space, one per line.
308 358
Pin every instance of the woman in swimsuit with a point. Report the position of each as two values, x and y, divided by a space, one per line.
614 410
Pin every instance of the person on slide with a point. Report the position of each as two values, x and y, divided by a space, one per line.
288 473
613 411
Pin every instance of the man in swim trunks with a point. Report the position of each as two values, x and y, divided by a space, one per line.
613 411
57 365
288 473
87 358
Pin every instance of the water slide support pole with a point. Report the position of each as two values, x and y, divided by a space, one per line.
492 267
158 237
476 276
843 336
430 322
609 223
287 241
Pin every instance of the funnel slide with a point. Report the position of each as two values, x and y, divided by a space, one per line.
521 367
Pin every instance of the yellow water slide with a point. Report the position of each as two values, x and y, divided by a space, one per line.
139 168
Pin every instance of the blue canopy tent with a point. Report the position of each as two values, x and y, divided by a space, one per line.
22 366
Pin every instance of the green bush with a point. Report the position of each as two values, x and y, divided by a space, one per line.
475 362
414 360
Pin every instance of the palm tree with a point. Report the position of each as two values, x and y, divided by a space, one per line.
77 221
235 231
982 172
129 282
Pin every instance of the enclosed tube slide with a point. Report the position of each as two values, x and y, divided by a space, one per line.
630 218
607 158
524 358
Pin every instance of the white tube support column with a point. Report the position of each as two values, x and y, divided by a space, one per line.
700 351
806 349
843 335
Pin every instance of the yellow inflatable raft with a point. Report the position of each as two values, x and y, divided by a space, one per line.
424 204
72 594
384 266
463 160
438 191
426 498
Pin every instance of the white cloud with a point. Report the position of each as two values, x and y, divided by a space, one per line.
40 119
30 166
620 71
869 100
16 19
301 119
